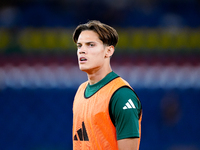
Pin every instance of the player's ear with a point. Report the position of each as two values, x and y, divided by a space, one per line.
109 51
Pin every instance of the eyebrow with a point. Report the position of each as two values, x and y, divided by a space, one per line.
87 42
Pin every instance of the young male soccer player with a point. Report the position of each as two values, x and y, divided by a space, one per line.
106 110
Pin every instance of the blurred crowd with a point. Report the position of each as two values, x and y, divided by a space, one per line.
122 13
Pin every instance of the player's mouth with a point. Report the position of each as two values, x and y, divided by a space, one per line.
82 59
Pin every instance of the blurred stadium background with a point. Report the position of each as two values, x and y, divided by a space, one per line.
158 53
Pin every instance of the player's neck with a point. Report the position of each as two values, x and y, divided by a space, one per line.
96 76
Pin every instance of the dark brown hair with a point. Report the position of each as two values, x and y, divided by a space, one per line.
107 34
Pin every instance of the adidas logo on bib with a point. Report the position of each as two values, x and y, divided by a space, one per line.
82 134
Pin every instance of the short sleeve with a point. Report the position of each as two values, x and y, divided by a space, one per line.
125 111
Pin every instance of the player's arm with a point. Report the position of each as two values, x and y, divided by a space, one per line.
126 118
128 144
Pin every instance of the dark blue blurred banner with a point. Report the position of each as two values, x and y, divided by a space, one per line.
41 119
36 119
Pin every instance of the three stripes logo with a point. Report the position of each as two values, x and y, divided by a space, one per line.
129 105
82 134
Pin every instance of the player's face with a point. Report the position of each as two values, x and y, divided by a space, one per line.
91 52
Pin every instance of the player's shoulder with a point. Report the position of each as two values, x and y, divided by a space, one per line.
83 84
124 91
123 95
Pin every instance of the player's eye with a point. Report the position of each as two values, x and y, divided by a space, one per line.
91 45
78 45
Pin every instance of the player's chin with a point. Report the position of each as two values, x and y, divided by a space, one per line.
86 70
83 68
